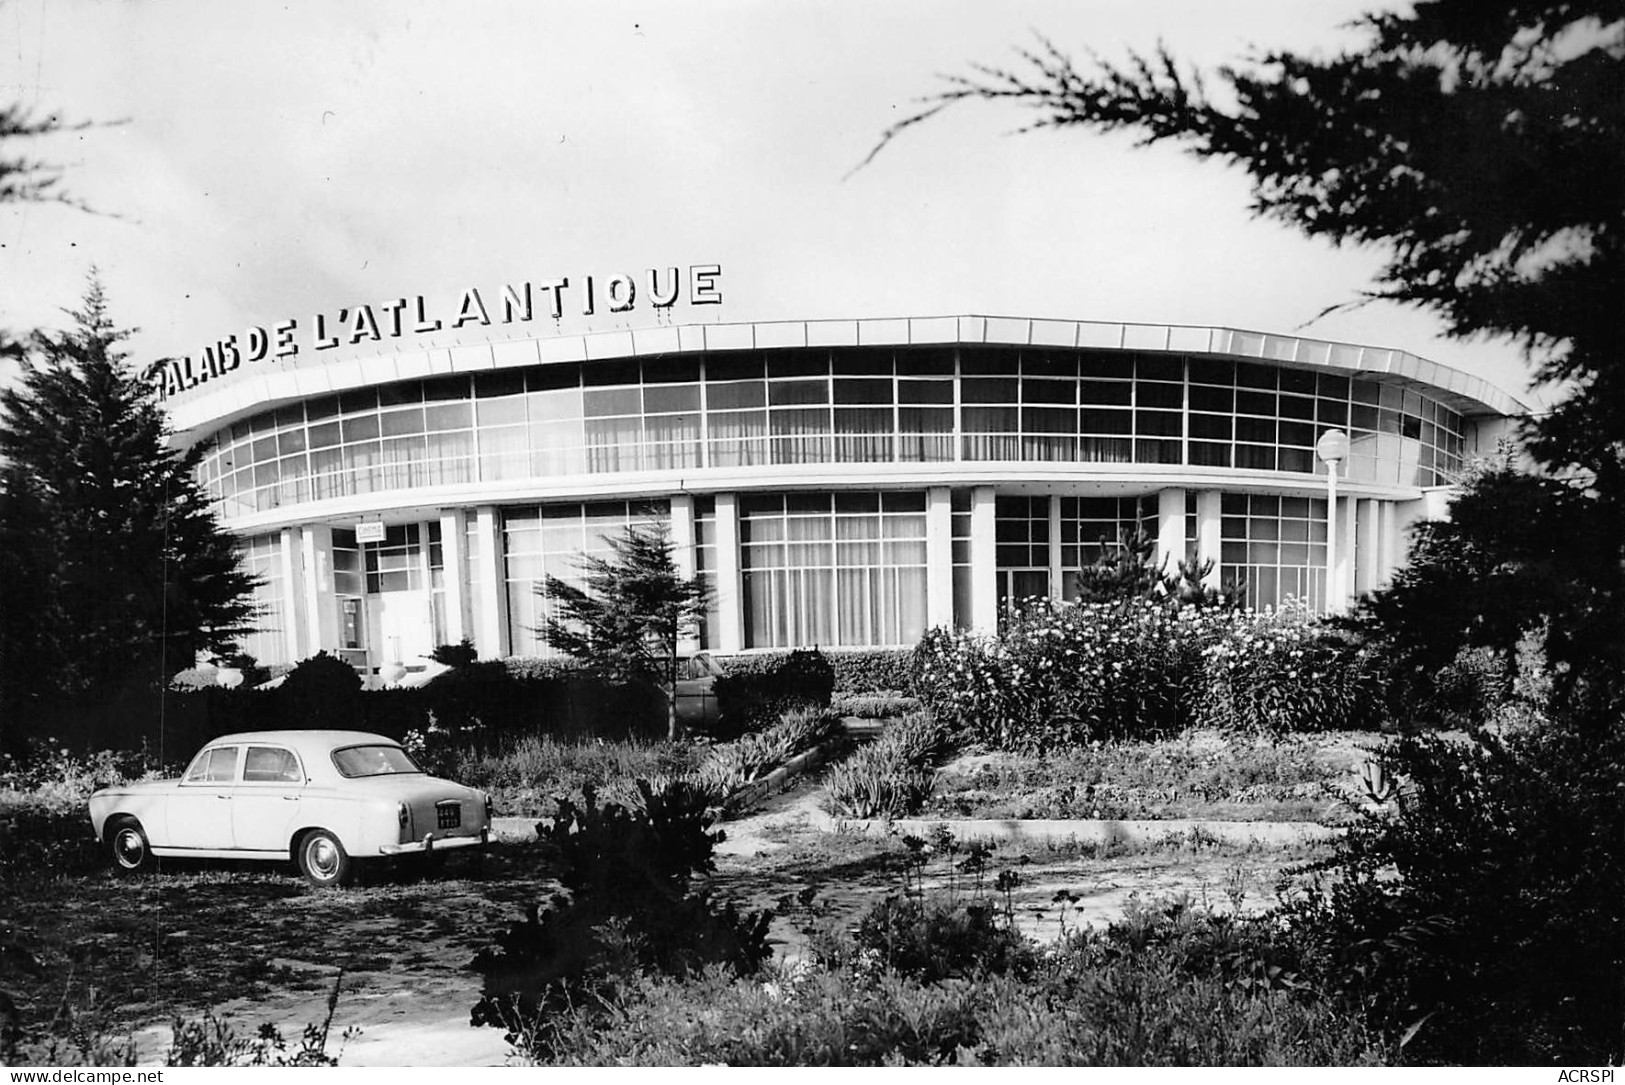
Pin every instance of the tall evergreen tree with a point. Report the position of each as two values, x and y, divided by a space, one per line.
628 619
1478 145
116 572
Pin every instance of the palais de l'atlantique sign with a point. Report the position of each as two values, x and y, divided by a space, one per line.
516 303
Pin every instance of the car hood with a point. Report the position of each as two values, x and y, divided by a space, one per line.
136 787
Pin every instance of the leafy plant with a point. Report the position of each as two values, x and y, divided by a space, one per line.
892 776
628 907
1495 896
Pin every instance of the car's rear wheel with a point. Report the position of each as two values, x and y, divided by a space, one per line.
323 860
127 842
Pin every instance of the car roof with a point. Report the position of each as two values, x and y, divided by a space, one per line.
328 739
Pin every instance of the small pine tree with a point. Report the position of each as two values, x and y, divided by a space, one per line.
116 572
625 624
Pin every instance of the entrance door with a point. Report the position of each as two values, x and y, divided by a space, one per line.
403 626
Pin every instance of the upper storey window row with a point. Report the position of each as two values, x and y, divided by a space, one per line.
762 408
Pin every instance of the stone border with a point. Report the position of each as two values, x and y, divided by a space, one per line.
1042 831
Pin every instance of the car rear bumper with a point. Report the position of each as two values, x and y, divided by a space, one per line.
433 843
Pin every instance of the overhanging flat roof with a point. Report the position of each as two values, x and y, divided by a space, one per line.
260 386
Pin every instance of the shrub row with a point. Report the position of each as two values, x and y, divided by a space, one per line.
753 699
854 670
1137 668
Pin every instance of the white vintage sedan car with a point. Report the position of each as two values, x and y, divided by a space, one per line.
325 799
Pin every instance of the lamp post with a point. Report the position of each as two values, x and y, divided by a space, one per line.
1333 449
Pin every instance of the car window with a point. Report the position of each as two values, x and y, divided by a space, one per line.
216 766
353 761
698 666
271 765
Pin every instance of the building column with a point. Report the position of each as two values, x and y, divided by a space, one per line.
490 584
453 546
1390 547
321 609
1170 529
1347 539
1367 577
984 567
1209 536
1057 585
730 585
293 598
939 558
683 556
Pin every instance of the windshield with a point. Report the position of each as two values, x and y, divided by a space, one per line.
353 761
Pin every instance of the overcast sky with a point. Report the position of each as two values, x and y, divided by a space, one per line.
281 159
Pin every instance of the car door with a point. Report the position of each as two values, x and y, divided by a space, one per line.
198 813
267 799
696 691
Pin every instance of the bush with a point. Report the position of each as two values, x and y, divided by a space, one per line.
1065 676
1486 923
1274 672
872 670
322 692
629 909
748 700
45 828
460 654
933 940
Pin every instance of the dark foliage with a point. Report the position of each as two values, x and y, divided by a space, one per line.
629 907
322 692
932 940
117 574
1519 555
1128 569
460 654
1479 146
1486 923
753 700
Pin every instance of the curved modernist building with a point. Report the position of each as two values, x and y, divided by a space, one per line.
844 483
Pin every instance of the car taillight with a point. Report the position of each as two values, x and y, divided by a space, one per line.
490 809
403 814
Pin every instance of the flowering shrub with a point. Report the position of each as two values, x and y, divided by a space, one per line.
1062 676
1065 676
1279 671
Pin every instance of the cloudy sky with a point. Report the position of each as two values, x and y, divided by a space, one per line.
281 159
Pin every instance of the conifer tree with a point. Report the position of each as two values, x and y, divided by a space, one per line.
625 624
116 572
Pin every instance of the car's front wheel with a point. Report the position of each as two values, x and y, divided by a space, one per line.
323 860
128 843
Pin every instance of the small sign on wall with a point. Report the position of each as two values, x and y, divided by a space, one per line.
369 531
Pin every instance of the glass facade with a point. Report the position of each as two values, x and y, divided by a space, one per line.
1274 547
1086 526
833 570
262 557
828 406
552 540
